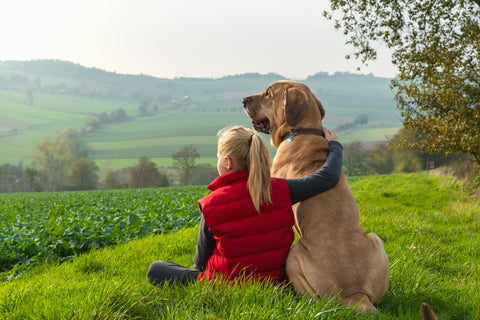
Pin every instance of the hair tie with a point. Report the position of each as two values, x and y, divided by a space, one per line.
250 140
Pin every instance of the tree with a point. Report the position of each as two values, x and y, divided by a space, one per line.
11 178
82 174
361 120
120 178
118 115
185 160
436 48
354 159
145 101
111 180
145 174
93 121
164 182
104 117
30 175
203 173
381 159
54 158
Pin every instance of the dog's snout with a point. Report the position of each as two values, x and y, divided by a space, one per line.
246 100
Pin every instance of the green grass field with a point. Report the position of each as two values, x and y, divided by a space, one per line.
160 136
430 229
22 125
215 104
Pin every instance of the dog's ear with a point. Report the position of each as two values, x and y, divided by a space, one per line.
295 105
320 107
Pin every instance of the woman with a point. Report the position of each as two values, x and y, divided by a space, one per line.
247 219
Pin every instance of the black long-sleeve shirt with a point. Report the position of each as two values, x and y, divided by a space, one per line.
301 189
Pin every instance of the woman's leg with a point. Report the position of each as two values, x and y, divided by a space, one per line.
164 271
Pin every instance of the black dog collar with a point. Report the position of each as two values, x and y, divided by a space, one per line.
296 132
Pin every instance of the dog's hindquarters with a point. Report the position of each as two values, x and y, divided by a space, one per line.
320 273
335 256
316 285
379 275
295 272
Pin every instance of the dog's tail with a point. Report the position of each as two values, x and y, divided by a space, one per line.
427 312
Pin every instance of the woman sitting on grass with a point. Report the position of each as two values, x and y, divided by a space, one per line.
247 219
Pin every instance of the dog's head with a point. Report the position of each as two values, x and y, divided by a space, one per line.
283 106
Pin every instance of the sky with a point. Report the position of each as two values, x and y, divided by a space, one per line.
182 38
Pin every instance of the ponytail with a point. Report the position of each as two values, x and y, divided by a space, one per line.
259 172
251 152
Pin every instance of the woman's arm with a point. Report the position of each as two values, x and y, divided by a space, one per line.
205 246
320 181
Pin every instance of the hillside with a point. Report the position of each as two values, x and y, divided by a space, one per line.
38 98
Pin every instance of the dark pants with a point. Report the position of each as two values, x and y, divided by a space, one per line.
164 271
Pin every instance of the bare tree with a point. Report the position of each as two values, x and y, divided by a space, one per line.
185 160
145 174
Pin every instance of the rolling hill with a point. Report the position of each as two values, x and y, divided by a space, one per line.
40 97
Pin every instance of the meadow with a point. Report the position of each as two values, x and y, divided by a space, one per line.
429 225
212 104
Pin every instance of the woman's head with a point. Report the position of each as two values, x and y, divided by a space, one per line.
248 151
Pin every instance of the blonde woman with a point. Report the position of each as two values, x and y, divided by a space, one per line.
247 219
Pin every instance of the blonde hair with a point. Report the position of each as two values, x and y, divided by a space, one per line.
251 152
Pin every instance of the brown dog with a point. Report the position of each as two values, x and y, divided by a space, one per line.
334 256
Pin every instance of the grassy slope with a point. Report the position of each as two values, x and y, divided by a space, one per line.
161 136
431 232
24 125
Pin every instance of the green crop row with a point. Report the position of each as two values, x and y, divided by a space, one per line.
56 226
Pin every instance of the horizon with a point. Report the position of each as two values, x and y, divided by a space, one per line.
183 38
212 78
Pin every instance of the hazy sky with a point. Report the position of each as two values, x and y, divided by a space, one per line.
194 38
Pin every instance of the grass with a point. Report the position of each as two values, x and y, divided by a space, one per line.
159 136
366 134
111 284
430 229
22 125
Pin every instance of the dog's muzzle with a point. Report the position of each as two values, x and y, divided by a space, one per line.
262 125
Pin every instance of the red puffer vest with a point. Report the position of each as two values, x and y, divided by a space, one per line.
247 243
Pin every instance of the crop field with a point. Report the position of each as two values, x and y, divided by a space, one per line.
56 226
107 239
